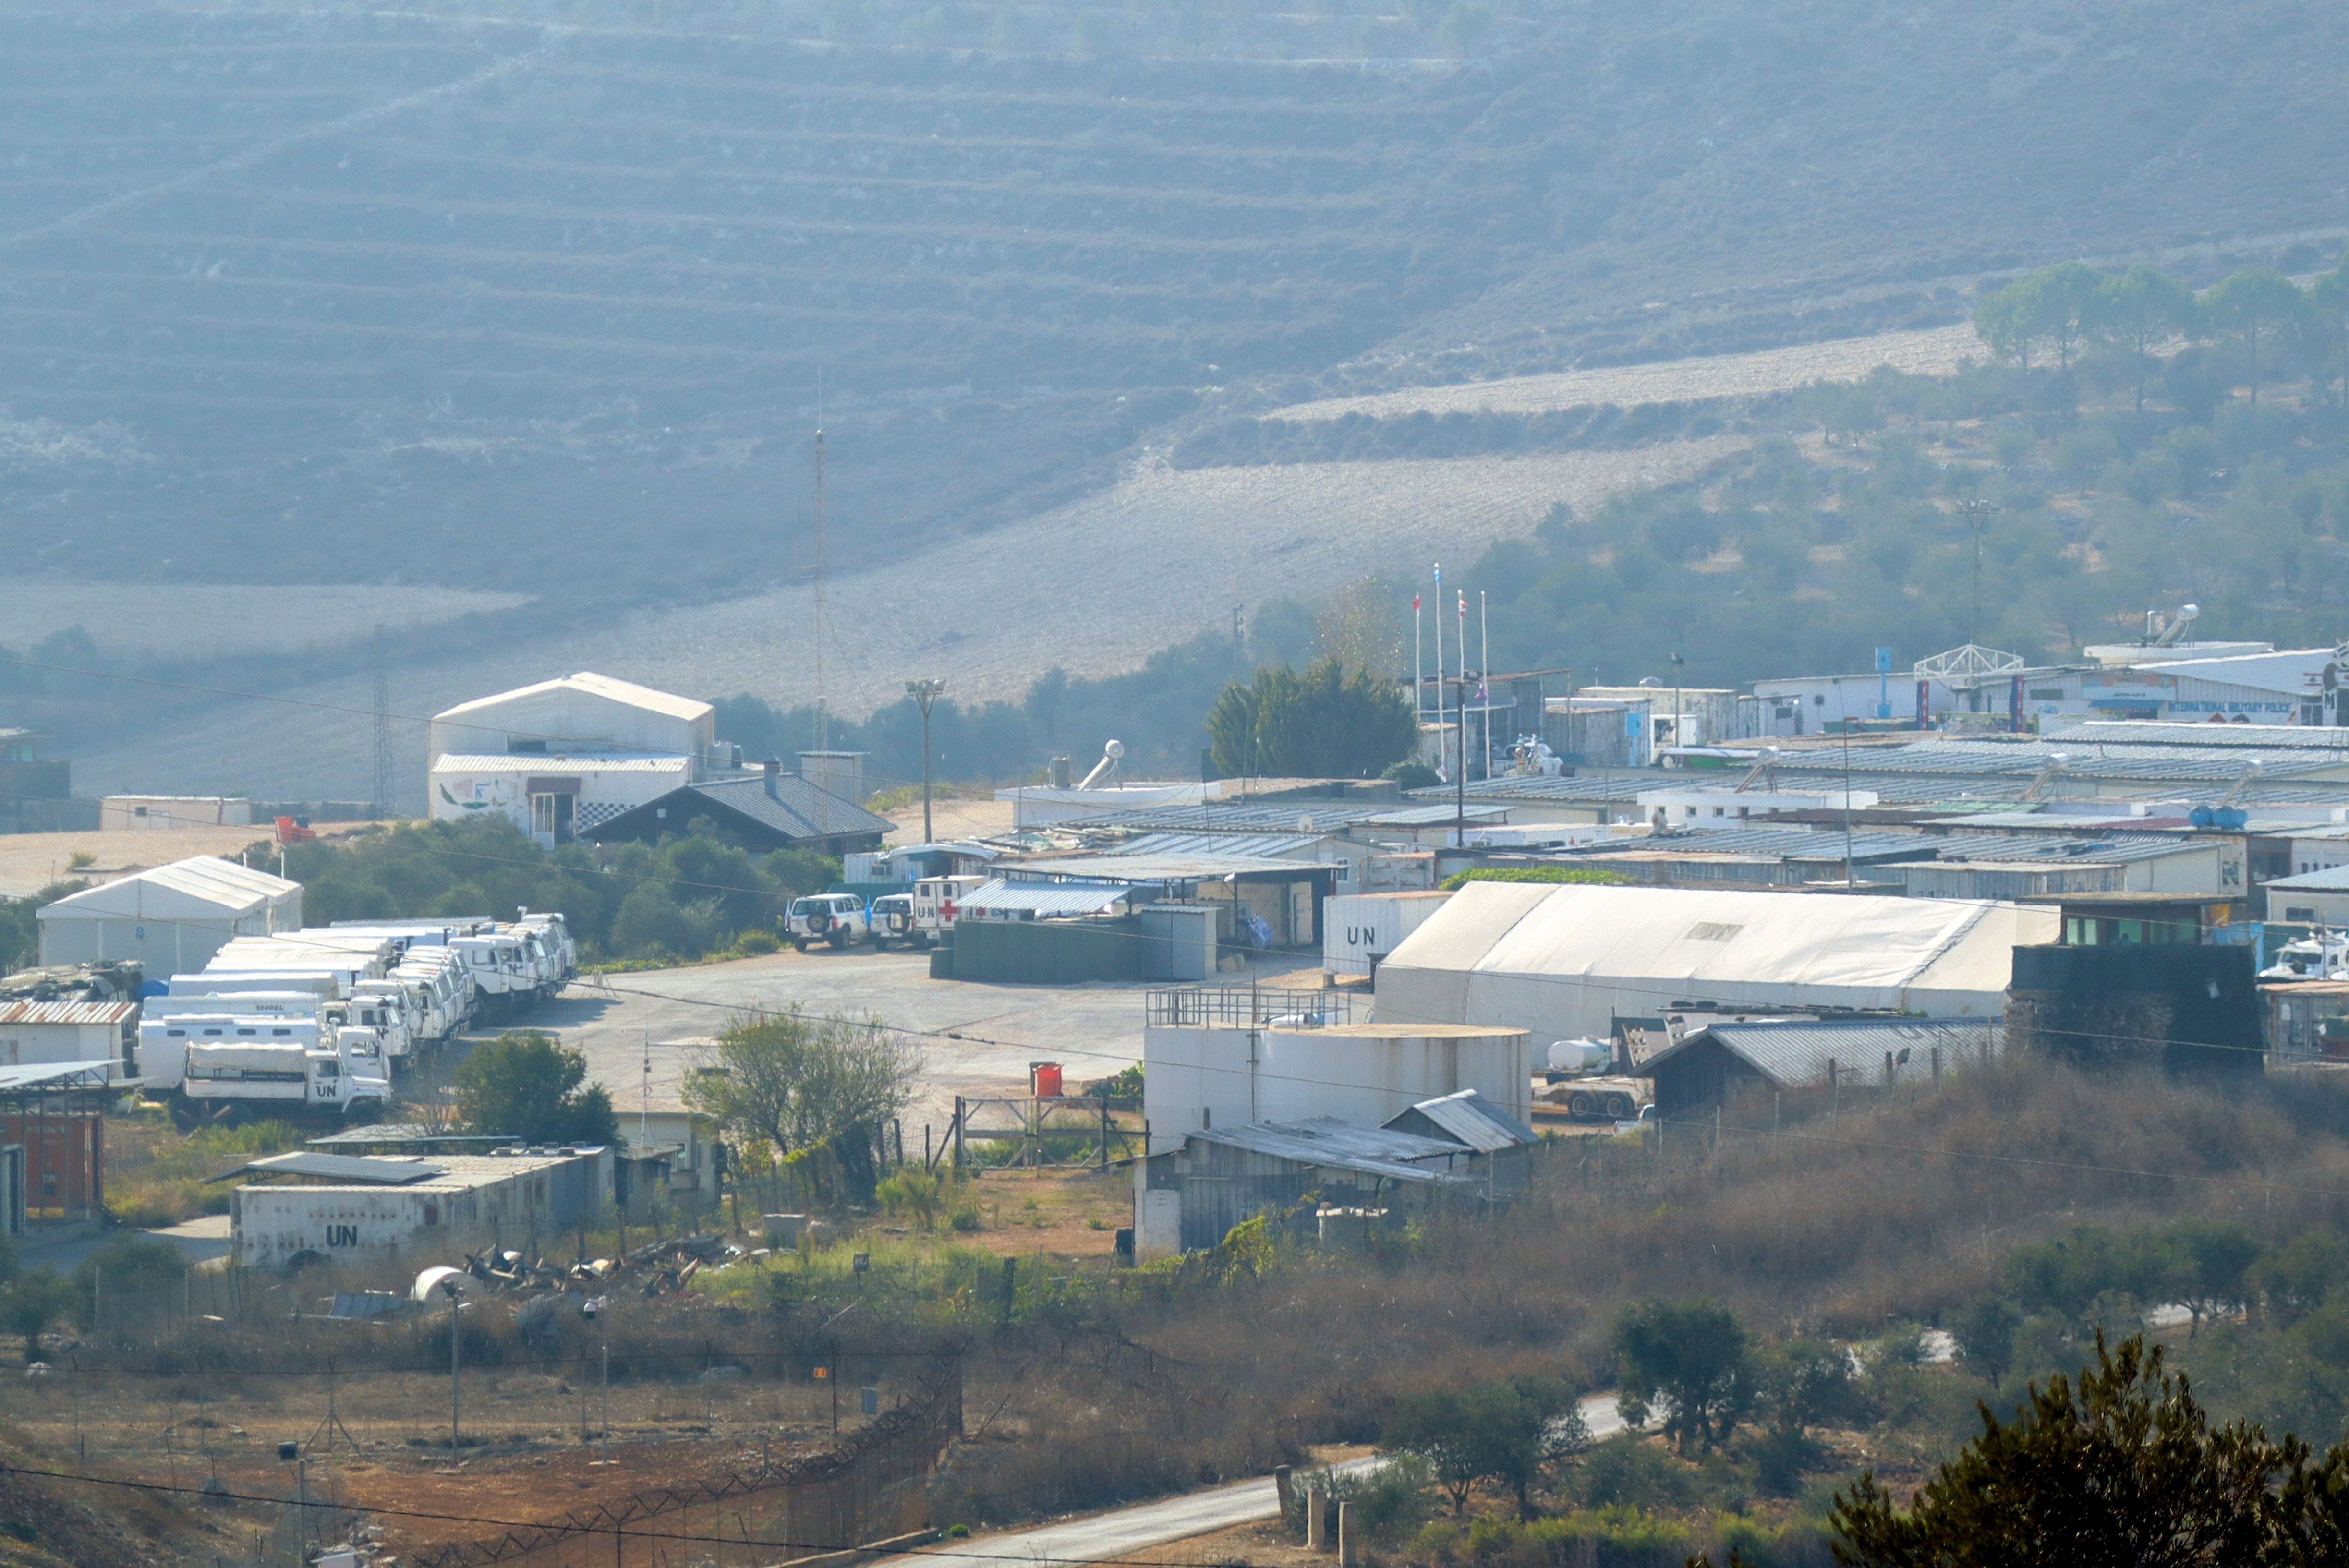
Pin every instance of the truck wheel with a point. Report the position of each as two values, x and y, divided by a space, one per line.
1619 1105
1579 1104
799 945
839 938
878 938
184 1113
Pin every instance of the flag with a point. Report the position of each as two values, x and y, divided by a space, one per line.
1414 603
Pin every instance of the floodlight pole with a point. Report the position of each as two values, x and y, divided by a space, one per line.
456 1343
1978 515
924 692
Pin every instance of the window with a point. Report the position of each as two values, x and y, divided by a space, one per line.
2303 914
431 1211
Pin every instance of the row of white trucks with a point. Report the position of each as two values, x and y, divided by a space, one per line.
312 1026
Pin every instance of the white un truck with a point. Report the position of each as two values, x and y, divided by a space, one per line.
226 1069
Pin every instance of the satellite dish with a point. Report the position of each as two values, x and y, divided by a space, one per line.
1113 750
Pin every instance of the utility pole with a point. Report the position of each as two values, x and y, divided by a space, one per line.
1978 513
1679 736
822 717
383 779
1485 680
456 1344
924 692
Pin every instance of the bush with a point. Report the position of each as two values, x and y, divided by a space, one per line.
129 1269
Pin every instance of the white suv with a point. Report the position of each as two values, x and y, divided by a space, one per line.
838 918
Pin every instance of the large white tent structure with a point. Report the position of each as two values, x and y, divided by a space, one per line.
1567 961
172 919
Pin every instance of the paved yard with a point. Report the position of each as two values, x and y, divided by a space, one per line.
1092 1030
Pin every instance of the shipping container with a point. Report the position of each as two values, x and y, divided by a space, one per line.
1357 928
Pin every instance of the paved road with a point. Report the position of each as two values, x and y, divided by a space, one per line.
1104 1537
1093 1029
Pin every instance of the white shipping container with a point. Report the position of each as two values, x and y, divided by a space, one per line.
475 1201
1354 926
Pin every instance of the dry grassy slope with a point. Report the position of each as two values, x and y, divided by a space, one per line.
1933 351
1094 586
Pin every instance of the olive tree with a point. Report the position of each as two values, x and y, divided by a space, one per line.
1691 1360
808 1084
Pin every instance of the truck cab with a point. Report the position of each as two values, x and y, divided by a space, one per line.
837 918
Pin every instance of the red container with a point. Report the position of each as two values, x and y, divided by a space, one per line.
1044 1080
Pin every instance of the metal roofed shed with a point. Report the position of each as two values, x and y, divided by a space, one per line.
2311 898
1187 1198
1713 1065
525 1199
1567 961
172 919
1467 1119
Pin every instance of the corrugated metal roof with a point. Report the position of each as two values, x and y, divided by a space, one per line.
1163 868
2332 880
797 808
1794 1052
1044 898
1262 845
348 1168
67 1012
1473 1120
202 879
64 1076
1324 1140
634 696
593 762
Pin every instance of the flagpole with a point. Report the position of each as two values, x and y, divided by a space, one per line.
1418 666
1460 784
1439 661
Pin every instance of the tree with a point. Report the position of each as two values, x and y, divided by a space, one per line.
1691 1357
36 1301
2329 316
2124 1467
2257 309
2139 310
1507 1433
2054 304
525 1085
1325 723
2212 1262
799 1083
128 1268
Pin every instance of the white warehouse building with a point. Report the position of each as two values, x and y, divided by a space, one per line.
1567 961
379 1208
564 757
172 919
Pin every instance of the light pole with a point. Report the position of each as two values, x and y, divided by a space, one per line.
456 1340
1978 515
1678 664
924 692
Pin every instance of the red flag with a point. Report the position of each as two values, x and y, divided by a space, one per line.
1415 602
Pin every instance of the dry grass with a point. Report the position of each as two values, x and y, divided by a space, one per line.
1935 351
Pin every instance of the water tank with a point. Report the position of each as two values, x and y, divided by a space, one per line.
1044 1080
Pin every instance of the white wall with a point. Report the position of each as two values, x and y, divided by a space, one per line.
165 946
1359 1073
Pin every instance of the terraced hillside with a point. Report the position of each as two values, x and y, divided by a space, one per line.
390 297
543 300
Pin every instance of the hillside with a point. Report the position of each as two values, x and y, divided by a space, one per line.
544 305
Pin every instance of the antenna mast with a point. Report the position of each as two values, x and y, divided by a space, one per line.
822 717
384 783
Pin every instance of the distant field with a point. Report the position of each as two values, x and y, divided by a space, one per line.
197 621
1936 351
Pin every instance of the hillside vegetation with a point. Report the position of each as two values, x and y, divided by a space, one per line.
545 301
